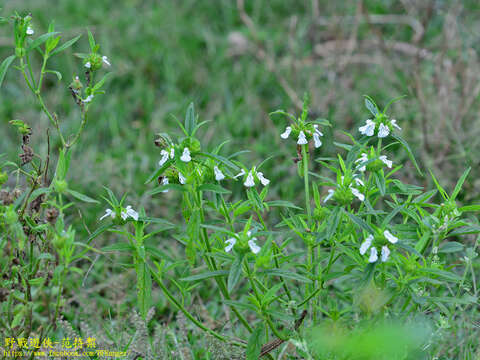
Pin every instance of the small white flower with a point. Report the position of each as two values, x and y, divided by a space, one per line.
385 253
164 158
109 212
368 129
363 158
316 140
302 140
172 152
263 179
393 122
88 65
165 182
357 193
373 255
105 60
186 155
315 126
129 212
88 99
366 244
390 237
387 162
218 174
253 246
231 243
383 131
30 31
241 173
249 182
329 196
286 133
359 182
181 178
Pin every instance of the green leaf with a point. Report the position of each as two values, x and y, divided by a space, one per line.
91 40
371 106
255 342
65 45
360 223
409 152
471 229
97 232
221 159
283 203
206 275
82 197
451 247
235 272
470 208
214 188
190 120
447 275
59 76
162 188
40 40
159 171
4 67
118 247
459 184
380 181
286 274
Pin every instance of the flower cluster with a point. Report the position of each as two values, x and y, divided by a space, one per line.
372 161
241 239
304 134
385 251
252 176
124 214
346 190
382 125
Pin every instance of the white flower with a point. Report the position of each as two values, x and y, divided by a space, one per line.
105 60
329 196
373 255
181 178
315 126
357 193
164 158
286 133
231 243
363 158
368 129
366 244
390 237
218 174
316 140
383 131
109 212
88 65
385 253
253 246
88 99
129 212
302 140
359 182
30 31
249 182
165 182
186 155
393 122
263 179
387 162
241 173
172 152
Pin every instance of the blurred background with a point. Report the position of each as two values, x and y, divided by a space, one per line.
238 61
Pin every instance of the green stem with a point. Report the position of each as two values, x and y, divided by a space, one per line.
307 187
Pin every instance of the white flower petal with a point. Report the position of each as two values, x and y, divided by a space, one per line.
366 244
263 179
359 182
373 255
231 243
186 155
105 61
249 182
253 246
383 131
165 182
302 140
241 173
108 212
315 126
329 196
88 65
164 158
88 99
172 153
387 162
358 194
316 140
286 133
393 122
218 174
132 213
368 129
30 31
385 253
390 237
181 178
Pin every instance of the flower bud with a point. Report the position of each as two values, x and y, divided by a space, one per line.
60 186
